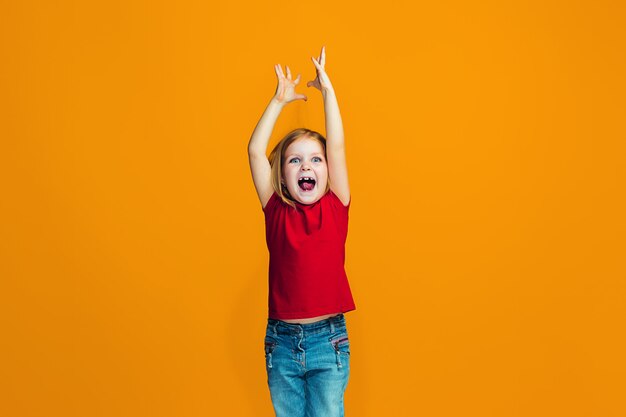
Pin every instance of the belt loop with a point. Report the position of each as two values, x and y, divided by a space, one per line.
332 326
275 324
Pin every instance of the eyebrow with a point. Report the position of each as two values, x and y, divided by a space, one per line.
297 154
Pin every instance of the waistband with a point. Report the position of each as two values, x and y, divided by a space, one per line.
279 326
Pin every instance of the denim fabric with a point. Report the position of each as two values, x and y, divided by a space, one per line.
308 366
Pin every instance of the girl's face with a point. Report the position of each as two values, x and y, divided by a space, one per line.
305 172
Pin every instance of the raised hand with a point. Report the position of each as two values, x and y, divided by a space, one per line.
286 88
321 82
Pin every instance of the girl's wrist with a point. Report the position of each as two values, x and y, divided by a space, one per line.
277 102
327 91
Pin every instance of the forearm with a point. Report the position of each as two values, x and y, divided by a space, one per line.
261 136
334 125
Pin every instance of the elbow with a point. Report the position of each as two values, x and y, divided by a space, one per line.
256 153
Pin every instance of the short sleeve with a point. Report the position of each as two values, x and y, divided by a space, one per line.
271 203
337 202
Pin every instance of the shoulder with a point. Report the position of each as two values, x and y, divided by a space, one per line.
336 201
271 203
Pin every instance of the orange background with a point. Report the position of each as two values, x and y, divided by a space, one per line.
486 247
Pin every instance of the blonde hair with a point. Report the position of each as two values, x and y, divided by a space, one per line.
278 153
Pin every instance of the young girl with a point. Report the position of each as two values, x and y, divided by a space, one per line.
303 189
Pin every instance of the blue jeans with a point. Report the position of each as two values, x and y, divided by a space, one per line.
308 366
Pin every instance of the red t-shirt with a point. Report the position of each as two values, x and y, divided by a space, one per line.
307 277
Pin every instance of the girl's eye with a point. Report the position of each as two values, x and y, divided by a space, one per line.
296 160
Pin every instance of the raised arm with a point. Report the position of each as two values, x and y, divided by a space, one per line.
257 147
335 144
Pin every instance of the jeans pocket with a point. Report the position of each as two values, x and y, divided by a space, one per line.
340 343
341 346
270 345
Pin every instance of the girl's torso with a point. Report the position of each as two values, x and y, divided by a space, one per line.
310 319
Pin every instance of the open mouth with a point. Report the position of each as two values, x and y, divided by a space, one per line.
306 183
